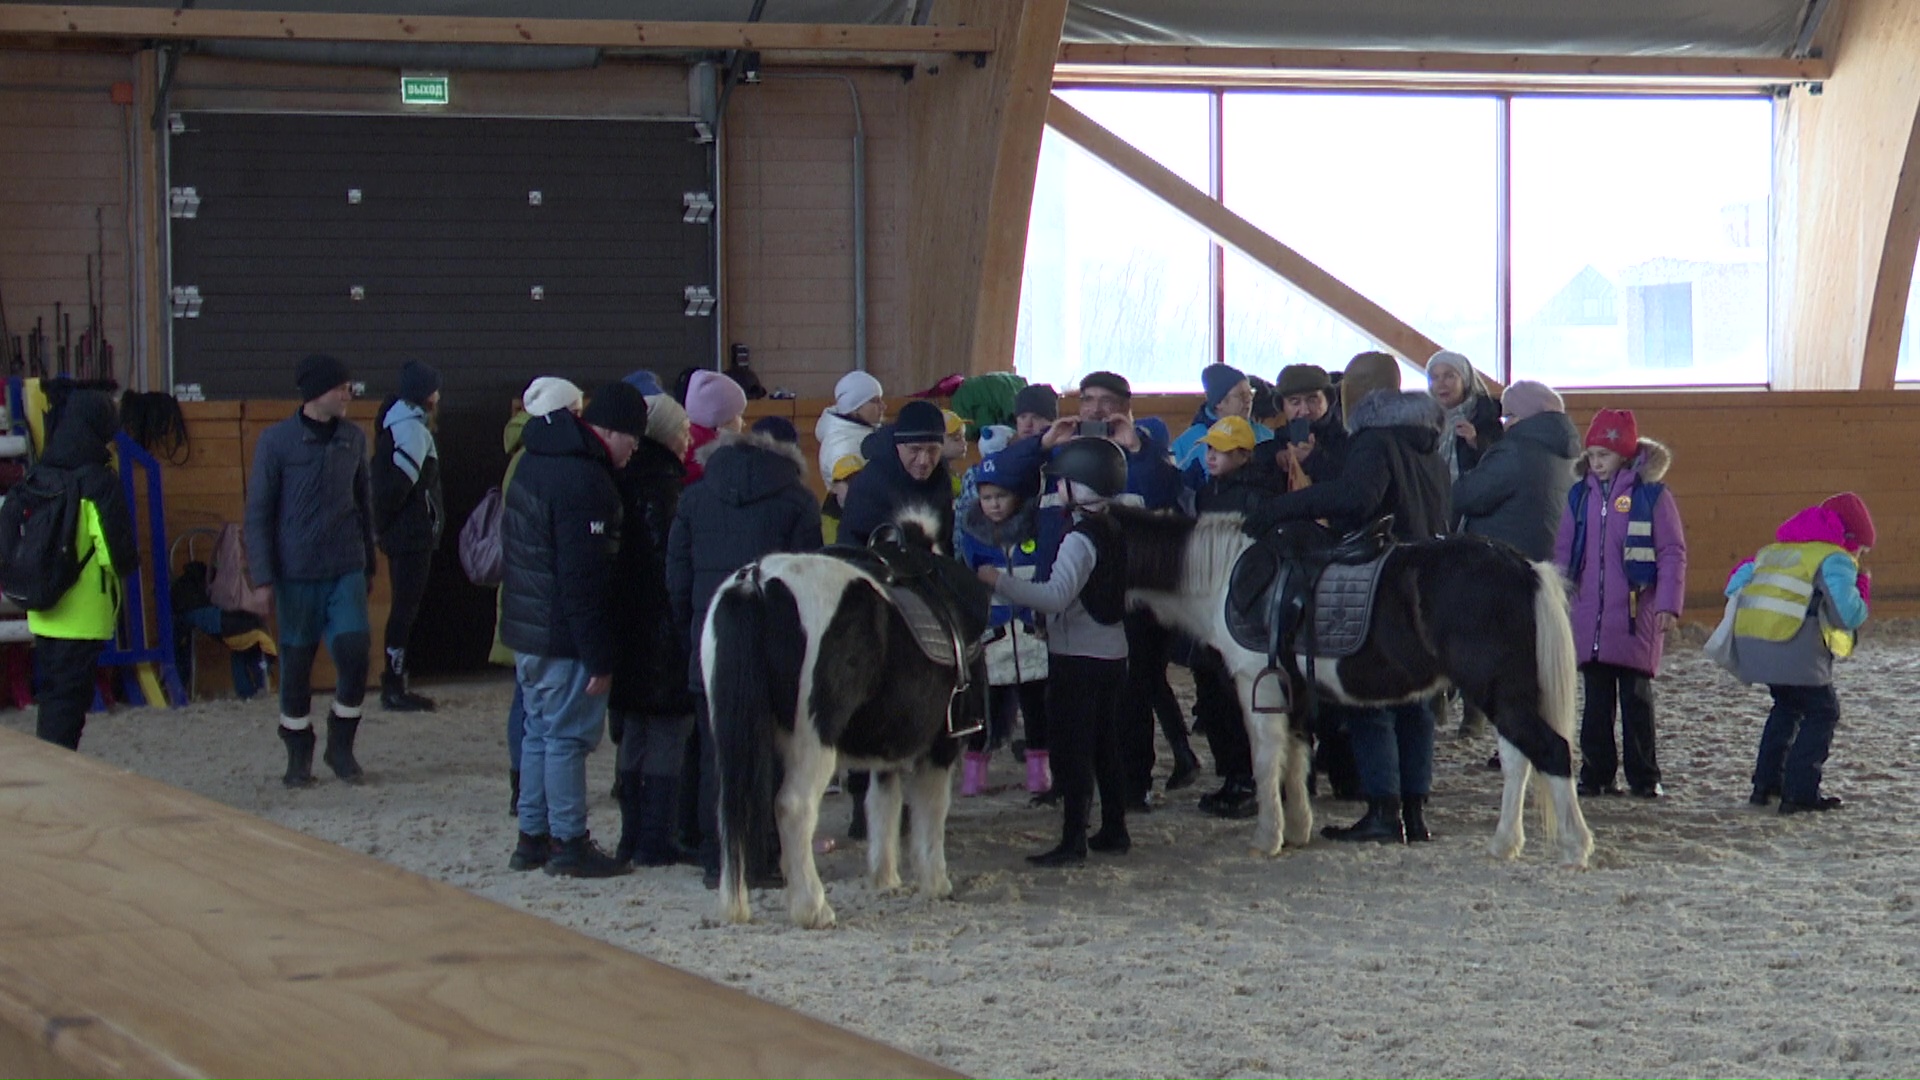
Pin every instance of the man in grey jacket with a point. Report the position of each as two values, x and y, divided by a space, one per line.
310 535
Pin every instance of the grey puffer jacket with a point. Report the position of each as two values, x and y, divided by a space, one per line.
309 504
1519 489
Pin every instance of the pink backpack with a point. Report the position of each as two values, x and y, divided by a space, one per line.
480 553
230 588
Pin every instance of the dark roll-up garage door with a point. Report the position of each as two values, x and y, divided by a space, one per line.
495 250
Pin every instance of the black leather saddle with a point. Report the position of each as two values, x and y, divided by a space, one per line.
935 596
1272 594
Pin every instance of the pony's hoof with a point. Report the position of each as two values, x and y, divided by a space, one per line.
820 918
1505 850
737 914
887 883
941 888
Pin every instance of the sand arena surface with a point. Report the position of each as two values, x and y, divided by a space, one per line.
1708 939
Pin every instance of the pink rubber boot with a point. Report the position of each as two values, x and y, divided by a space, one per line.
973 774
1039 773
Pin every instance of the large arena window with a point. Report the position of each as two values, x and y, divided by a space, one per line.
1640 241
1583 241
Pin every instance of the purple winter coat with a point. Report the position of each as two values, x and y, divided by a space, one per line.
1602 628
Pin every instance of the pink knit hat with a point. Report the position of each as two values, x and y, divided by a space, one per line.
714 400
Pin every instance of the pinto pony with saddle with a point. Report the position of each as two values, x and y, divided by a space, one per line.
1301 614
865 657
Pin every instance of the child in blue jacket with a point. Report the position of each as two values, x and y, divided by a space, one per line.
1000 529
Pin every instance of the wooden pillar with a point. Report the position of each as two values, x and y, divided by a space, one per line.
976 133
1847 216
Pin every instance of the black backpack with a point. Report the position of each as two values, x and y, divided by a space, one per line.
39 527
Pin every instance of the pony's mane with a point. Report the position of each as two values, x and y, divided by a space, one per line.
920 523
1157 542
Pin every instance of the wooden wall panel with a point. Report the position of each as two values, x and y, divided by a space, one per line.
976 137
1847 205
787 218
66 146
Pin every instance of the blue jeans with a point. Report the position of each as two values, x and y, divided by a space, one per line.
516 724
1794 744
1393 749
564 724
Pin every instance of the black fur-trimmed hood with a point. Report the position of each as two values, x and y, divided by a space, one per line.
1399 408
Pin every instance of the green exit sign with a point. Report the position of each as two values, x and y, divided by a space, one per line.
424 89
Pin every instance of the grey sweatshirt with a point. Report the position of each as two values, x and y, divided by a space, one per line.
1070 630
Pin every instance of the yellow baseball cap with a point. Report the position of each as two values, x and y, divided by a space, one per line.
955 422
1228 434
847 466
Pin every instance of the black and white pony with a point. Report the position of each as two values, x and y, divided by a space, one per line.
810 656
1459 611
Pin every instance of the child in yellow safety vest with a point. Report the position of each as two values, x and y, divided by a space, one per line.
69 637
1796 606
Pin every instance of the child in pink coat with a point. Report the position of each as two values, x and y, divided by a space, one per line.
1624 552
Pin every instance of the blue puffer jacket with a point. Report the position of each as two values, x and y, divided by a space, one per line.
309 504
1013 546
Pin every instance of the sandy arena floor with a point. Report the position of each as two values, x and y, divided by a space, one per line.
1708 939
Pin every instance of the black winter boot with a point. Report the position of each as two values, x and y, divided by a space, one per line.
1072 850
1381 824
299 756
580 857
339 755
1413 815
1236 800
530 853
1186 769
395 697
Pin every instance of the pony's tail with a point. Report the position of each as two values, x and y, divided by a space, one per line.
1553 649
740 701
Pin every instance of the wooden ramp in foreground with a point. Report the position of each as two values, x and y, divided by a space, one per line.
146 931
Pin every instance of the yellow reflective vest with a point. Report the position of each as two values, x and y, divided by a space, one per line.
1776 603
90 611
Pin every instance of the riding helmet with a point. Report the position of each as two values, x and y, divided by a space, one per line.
1096 462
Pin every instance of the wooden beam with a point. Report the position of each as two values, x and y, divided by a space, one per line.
1082 62
147 931
168 23
976 150
1243 236
1847 198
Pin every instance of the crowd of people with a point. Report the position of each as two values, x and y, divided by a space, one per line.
624 510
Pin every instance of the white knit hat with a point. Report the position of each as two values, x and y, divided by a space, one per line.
548 394
855 389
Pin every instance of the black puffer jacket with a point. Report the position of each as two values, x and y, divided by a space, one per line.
752 502
880 491
649 672
561 532
77 449
1393 467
